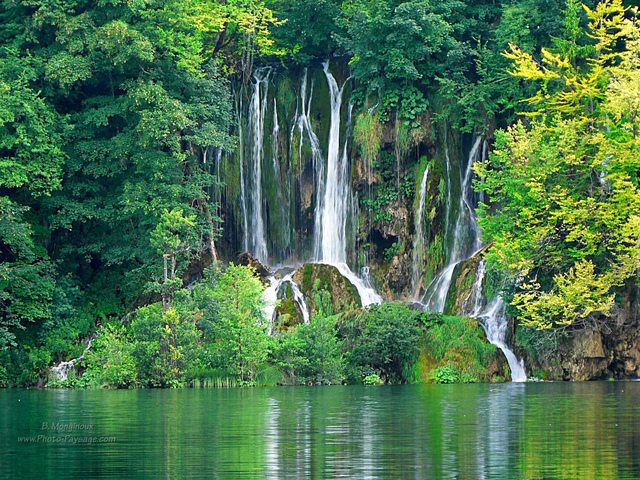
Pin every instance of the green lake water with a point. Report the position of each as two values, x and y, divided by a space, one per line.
508 431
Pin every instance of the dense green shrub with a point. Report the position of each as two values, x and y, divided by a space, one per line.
381 340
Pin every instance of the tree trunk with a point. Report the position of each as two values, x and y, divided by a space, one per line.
165 294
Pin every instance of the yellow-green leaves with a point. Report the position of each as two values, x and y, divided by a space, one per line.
368 132
568 184
578 295
571 86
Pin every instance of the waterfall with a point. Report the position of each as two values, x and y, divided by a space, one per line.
271 297
303 124
466 236
324 166
298 298
334 195
419 238
61 371
243 195
495 324
333 190
255 233
494 321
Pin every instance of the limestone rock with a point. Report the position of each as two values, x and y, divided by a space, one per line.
591 355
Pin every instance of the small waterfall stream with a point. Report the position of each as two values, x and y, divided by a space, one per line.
466 236
417 255
271 297
61 371
466 244
495 324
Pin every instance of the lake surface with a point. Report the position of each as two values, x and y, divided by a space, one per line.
509 431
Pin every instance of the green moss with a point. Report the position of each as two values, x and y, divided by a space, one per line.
286 96
368 134
455 349
319 282
307 273
435 258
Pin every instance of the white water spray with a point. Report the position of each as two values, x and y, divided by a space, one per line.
419 238
271 297
256 235
61 371
495 324
334 194
466 236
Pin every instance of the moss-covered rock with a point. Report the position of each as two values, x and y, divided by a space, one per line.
456 350
461 289
288 312
326 289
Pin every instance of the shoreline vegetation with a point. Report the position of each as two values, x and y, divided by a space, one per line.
210 339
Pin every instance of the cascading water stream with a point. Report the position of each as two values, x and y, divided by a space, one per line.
271 297
466 236
303 124
495 325
333 190
243 195
493 320
419 238
334 195
255 233
61 371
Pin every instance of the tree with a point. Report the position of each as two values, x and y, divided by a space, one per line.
381 340
173 237
165 345
567 230
240 319
27 276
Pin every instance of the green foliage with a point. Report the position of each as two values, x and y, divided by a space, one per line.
368 133
211 337
446 374
456 349
319 347
381 340
568 184
110 361
540 344
308 28
240 320
391 252
373 379
383 194
27 277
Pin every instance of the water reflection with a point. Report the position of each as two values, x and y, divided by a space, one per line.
529 431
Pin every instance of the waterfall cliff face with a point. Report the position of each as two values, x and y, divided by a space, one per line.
291 200
466 234
299 189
